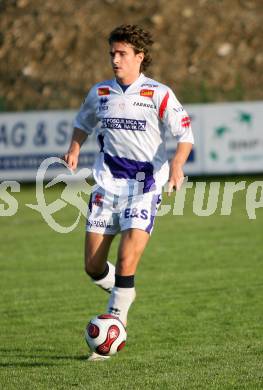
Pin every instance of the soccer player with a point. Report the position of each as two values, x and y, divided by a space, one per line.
130 115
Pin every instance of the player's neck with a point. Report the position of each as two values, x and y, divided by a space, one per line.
128 80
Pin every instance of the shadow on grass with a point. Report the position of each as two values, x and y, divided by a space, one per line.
22 354
24 364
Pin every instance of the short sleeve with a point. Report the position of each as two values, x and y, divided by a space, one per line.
175 118
86 118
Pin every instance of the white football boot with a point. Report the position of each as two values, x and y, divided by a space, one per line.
95 357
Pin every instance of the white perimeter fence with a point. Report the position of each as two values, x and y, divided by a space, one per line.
228 140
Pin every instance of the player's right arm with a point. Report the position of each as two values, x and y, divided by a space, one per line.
72 156
84 124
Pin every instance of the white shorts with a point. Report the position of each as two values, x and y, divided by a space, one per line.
111 214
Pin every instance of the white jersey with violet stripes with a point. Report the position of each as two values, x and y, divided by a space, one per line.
130 127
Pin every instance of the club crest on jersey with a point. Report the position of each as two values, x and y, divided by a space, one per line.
103 91
147 93
186 121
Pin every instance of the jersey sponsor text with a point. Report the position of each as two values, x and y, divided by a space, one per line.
123 124
146 105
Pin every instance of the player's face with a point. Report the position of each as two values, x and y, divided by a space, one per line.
125 63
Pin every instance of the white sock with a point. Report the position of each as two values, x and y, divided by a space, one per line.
120 302
107 283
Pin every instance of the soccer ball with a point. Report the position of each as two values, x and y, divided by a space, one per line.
105 334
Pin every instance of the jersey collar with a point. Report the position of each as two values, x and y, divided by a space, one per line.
131 87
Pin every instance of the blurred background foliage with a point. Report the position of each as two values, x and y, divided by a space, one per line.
51 52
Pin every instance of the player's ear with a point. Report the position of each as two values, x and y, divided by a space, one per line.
140 57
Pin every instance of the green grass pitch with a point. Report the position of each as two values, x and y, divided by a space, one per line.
196 323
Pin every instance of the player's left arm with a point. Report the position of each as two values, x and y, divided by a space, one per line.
176 177
177 121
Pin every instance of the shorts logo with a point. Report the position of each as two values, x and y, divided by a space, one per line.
147 93
135 213
98 223
186 121
103 91
98 200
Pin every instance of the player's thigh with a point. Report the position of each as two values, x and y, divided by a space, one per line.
131 247
97 248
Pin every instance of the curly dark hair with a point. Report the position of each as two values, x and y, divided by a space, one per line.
137 37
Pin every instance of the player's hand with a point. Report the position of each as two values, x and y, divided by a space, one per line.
176 178
71 159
